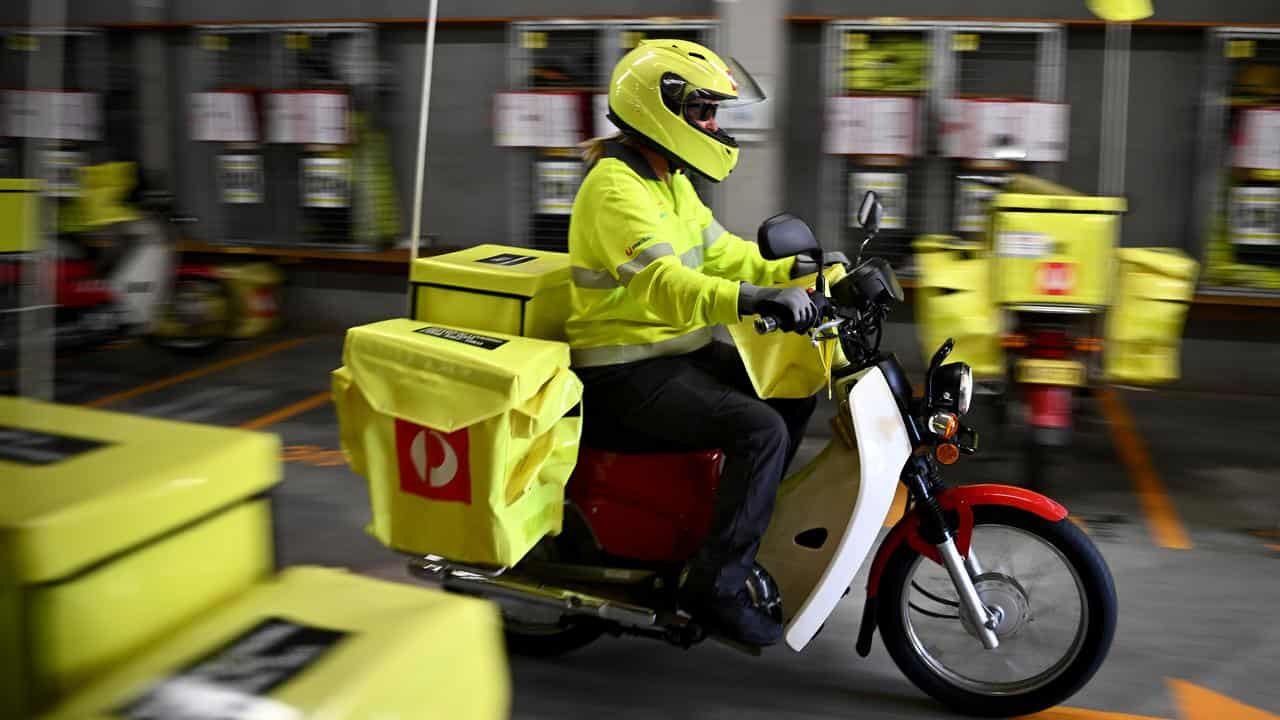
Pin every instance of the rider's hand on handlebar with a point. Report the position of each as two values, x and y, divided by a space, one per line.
792 307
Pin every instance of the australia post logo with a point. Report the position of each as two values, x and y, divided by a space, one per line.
434 465
1056 278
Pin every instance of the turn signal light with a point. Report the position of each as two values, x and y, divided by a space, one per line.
1089 344
947 453
1014 340
944 425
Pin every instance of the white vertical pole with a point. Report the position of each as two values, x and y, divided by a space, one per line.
428 56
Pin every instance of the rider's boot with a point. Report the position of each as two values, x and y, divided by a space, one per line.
730 615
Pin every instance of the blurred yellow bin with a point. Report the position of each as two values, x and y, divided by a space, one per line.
954 299
1144 328
1054 249
19 215
466 438
318 643
114 531
255 291
494 288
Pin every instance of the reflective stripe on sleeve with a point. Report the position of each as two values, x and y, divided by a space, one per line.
712 233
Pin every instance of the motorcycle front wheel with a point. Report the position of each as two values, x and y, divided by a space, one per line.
1054 601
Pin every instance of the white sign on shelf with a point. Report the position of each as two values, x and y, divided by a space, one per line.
307 118
891 187
326 182
223 117
1255 215
240 179
1001 130
841 121
871 126
603 127
1048 127
1259 145
62 171
53 115
1005 130
516 117
556 185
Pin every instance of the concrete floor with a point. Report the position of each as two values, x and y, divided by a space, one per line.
1206 615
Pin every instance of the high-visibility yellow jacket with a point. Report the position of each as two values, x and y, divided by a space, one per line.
652 271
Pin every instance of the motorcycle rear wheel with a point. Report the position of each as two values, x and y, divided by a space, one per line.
918 617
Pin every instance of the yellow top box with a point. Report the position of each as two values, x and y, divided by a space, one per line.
80 485
496 269
1060 203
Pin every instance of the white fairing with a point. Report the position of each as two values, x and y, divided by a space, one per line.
884 448
142 279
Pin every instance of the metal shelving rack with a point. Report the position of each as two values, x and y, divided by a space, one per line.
1251 267
1019 61
839 172
574 56
262 59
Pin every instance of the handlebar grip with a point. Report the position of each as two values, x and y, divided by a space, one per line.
766 324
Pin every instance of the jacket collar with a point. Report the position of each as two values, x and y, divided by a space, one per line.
632 157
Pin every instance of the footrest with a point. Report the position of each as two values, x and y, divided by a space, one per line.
317 642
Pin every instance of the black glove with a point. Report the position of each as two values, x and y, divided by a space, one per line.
806 266
793 307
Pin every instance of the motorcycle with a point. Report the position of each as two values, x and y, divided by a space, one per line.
987 597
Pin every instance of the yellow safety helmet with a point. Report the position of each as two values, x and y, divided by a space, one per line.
658 87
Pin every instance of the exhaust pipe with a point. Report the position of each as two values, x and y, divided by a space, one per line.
490 583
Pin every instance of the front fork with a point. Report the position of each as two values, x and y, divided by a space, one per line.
921 481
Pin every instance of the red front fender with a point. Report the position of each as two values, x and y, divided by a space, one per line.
962 500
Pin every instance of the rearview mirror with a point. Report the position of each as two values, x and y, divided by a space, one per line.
785 235
870 212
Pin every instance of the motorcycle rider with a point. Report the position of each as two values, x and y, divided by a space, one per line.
653 272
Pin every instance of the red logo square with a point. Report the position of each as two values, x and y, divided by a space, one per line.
1056 278
434 465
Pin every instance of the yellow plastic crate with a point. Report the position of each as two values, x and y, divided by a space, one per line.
19 215
114 530
494 288
463 437
1054 249
318 643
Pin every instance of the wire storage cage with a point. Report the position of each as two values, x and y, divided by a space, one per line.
558 79
53 123
927 114
285 118
1002 111
1238 217
878 79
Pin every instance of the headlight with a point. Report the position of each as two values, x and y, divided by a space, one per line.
953 388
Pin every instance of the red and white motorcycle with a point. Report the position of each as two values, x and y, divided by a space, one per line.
986 596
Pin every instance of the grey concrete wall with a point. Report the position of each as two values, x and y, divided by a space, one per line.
466 193
1251 11
1164 106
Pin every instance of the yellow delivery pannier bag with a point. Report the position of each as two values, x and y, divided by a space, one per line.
466 439
786 364
1144 327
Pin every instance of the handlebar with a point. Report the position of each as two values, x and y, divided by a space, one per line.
766 324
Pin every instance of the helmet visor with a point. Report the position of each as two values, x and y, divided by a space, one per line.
749 92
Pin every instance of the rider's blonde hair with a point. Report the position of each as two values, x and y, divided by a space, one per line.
593 149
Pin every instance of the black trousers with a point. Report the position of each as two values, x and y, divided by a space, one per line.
703 401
